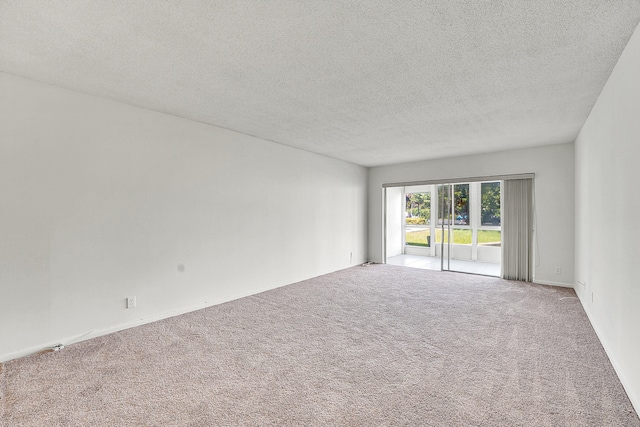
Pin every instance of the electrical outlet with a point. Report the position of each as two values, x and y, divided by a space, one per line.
558 270
131 302
350 258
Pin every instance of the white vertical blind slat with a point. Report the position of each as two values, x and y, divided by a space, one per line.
517 225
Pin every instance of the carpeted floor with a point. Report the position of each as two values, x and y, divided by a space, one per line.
366 346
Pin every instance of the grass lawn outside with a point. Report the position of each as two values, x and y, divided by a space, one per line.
460 237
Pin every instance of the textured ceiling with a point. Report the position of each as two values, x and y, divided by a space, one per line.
371 82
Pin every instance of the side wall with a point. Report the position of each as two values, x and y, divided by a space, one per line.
101 201
395 206
607 208
554 174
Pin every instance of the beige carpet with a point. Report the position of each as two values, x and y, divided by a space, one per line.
366 346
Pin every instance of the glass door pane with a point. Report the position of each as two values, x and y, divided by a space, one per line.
474 229
445 219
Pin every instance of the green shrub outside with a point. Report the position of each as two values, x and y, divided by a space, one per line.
416 220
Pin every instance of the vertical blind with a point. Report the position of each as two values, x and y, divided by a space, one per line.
517 229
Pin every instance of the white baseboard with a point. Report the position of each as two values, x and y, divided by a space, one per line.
550 283
137 322
142 321
635 399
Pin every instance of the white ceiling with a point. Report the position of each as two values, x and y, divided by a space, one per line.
371 82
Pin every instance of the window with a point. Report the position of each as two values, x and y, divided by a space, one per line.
417 237
461 204
490 203
418 208
417 219
489 237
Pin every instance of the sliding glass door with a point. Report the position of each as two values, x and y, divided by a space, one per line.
469 235
454 226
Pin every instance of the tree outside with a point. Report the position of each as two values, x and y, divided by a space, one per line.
490 199
461 204
418 213
418 208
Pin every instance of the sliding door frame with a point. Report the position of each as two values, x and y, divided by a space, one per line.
451 182
455 180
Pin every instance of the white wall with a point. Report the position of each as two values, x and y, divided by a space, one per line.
395 210
100 201
554 190
607 212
